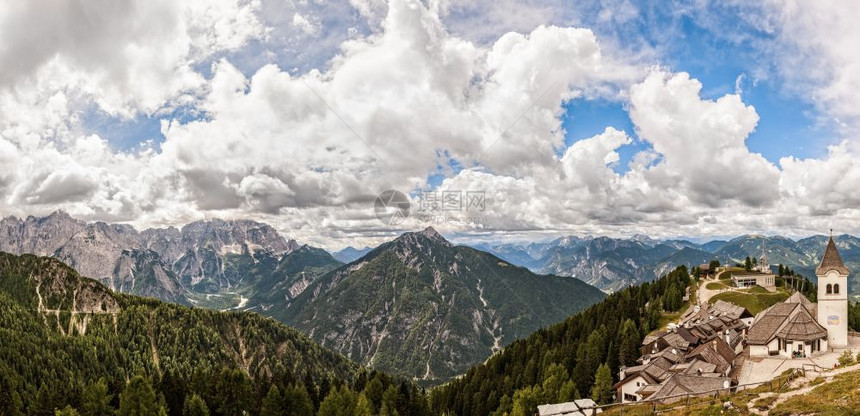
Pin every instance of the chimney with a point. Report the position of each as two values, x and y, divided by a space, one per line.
728 337
714 343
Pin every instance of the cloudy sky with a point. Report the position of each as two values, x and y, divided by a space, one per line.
697 119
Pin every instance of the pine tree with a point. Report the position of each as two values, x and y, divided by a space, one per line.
297 401
388 407
194 406
273 403
339 402
628 352
373 390
234 392
527 400
95 400
67 411
138 399
601 393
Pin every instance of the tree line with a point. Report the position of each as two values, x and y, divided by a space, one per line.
577 358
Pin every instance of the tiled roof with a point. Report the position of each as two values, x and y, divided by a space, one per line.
727 309
768 322
831 261
574 408
802 327
689 384
695 367
810 306
716 352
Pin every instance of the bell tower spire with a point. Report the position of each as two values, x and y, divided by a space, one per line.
833 295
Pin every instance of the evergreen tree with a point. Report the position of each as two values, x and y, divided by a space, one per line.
748 264
273 403
10 403
95 400
234 393
194 406
527 400
139 399
297 401
373 390
628 352
341 402
714 265
602 393
67 411
388 406
781 270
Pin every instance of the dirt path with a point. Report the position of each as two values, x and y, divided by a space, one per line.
705 294
801 386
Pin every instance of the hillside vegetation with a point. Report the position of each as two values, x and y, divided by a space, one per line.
423 308
561 362
69 341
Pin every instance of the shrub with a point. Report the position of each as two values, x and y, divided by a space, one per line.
846 359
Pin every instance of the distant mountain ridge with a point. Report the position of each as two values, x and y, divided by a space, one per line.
613 263
350 254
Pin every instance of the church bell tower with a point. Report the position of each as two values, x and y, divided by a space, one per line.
833 296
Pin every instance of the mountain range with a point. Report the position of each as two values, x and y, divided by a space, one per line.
169 264
417 306
612 263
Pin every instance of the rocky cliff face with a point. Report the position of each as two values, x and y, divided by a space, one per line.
38 235
197 253
162 263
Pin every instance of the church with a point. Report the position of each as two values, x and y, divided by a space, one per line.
799 328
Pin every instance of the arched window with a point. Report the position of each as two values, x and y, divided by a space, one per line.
836 289
829 289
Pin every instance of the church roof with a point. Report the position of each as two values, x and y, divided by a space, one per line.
831 261
802 327
810 306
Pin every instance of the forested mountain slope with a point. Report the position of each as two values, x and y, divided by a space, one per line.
559 363
421 307
61 333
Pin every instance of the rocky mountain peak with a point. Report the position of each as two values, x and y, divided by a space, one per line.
433 235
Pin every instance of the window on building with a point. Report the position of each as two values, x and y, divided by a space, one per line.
829 289
836 289
630 398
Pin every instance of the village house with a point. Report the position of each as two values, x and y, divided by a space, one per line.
765 280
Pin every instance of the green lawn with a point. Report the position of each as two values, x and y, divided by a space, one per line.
716 286
728 275
755 301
